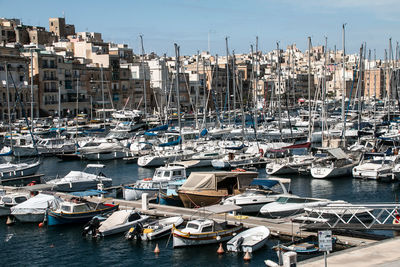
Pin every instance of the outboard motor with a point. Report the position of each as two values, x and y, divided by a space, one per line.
135 232
91 227
239 243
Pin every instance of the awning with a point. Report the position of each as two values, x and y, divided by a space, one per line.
221 208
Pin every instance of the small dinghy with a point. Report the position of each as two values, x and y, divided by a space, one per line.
249 240
160 228
120 221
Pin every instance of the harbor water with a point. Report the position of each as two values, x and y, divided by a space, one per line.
27 244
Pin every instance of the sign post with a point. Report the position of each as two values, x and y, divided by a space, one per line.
325 243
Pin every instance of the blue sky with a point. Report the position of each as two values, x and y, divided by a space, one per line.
190 23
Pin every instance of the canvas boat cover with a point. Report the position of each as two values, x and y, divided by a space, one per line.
338 153
209 180
38 203
117 218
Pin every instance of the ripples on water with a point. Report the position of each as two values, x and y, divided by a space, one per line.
27 244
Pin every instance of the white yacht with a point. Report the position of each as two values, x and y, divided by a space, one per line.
288 165
337 164
14 170
249 240
290 205
10 200
152 186
260 192
89 178
376 166
233 160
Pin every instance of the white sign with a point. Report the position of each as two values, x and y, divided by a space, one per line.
325 240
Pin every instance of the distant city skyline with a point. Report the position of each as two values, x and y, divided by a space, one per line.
195 25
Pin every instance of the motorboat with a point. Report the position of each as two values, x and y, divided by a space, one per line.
286 206
89 178
170 196
233 160
11 200
34 209
77 212
204 231
15 170
337 164
152 186
376 166
160 158
259 193
120 221
249 240
156 229
209 188
103 149
288 165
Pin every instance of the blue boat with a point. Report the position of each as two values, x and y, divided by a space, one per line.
170 196
77 212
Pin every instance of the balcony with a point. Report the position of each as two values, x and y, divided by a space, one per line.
50 90
46 78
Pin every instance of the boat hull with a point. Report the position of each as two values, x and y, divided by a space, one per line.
55 218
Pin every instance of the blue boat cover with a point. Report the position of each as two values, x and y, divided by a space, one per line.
88 193
150 134
172 143
203 132
264 182
159 128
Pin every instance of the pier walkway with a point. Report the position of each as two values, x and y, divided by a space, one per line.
384 254
278 227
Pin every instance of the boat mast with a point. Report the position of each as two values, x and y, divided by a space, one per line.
102 96
279 90
234 86
227 82
144 80
32 90
324 126
375 70
344 87
8 106
177 92
197 92
309 89
360 77
389 77
77 108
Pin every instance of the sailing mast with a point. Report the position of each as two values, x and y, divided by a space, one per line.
197 93
344 88
102 96
144 80
309 89
32 100
8 107
227 82
279 90
177 93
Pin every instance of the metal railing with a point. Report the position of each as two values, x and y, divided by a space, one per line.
372 216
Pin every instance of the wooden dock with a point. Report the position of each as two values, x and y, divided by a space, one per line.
283 228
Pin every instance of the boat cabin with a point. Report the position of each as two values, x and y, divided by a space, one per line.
199 226
12 199
169 173
71 207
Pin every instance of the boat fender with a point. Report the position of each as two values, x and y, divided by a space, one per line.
147 179
261 152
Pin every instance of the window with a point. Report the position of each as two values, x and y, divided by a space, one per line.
20 199
167 174
66 208
207 229
176 173
192 225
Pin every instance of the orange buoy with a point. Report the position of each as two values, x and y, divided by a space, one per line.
157 249
247 256
41 225
220 249
10 221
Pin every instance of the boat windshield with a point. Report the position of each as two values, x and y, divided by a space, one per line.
81 208
282 200
20 199
192 225
166 173
66 208
6 200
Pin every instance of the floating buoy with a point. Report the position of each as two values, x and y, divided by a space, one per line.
247 256
220 249
41 225
157 249
52 245
10 221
